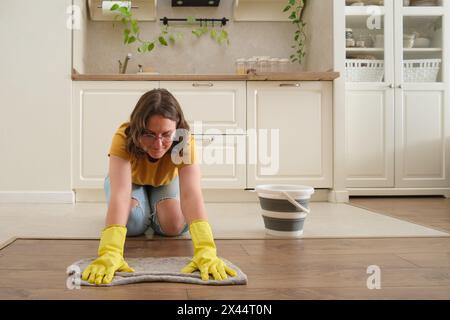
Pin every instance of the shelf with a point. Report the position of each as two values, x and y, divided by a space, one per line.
420 50
365 50
362 10
423 11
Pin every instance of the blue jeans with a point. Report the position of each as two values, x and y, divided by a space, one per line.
144 216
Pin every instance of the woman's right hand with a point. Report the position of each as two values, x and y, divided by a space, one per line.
110 257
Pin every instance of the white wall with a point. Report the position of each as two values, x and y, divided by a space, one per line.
319 19
105 43
35 95
80 52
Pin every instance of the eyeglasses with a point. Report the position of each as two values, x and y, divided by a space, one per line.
150 138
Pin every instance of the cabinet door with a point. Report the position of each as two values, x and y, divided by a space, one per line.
289 133
222 160
216 112
370 138
423 139
373 24
421 42
218 105
98 110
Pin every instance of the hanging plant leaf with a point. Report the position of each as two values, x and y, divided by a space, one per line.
124 11
132 30
297 10
134 26
162 41
142 48
197 32
213 34
191 20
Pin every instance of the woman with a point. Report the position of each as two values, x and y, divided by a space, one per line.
154 182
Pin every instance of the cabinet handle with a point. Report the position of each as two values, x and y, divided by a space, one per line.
391 86
400 86
206 140
295 85
209 84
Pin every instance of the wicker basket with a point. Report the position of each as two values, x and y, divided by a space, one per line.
362 70
421 70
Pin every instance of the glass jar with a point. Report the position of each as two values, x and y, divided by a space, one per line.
251 65
240 66
348 33
273 65
263 65
284 65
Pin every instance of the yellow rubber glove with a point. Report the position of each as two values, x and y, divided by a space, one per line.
205 254
110 256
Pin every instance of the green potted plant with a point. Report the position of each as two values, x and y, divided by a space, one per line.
131 32
297 9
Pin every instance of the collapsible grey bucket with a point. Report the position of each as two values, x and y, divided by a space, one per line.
284 208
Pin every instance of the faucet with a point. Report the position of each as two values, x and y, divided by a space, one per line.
123 66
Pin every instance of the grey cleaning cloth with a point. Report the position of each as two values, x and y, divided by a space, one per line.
167 269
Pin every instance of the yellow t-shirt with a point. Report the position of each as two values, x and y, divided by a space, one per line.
145 172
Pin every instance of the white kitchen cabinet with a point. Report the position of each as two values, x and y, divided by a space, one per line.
397 138
100 107
422 139
300 113
370 137
98 110
398 126
301 151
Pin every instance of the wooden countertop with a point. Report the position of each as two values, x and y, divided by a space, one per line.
300 76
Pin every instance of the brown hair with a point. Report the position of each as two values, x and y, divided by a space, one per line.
155 102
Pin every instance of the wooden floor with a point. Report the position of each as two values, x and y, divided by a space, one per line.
411 268
433 212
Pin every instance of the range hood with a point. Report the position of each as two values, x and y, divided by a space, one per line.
195 3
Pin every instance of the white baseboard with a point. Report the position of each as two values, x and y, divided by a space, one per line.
338 196
37 197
